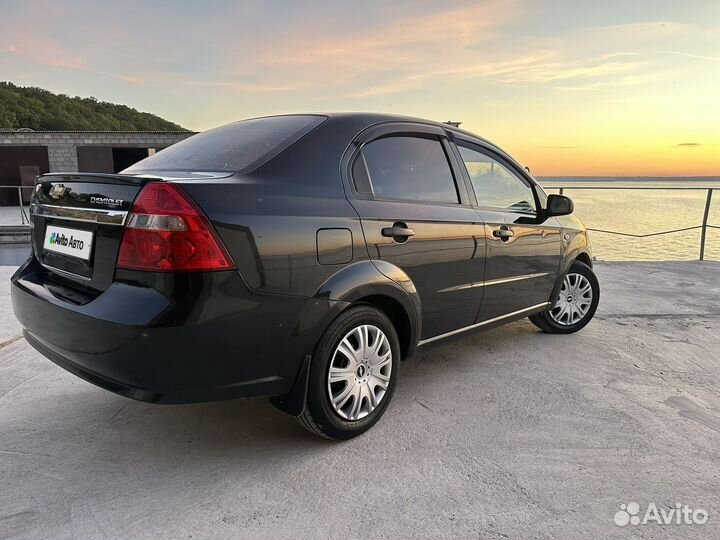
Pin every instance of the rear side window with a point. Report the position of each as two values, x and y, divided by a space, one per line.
237 147
407 168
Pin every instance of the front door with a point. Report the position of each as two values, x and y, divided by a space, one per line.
523 251
415 215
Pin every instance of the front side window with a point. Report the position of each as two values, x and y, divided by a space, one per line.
495 185
409 168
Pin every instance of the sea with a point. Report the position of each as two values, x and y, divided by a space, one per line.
632 210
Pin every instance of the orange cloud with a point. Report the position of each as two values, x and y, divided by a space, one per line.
41 53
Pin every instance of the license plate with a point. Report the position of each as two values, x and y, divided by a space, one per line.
71 242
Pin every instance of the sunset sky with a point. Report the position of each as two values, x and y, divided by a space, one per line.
569 87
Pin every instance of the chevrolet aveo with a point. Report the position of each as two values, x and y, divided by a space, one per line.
299 257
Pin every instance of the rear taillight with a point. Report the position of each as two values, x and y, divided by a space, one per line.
167 232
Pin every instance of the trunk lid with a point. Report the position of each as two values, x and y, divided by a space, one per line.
77 223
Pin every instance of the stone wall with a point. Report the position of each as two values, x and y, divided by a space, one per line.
62 145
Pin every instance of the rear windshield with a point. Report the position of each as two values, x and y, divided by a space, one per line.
238 147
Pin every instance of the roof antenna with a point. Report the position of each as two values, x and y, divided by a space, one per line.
453 124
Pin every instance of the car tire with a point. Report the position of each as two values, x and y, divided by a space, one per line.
352 375
568 316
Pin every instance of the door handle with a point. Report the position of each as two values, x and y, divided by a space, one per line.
399 232
503 234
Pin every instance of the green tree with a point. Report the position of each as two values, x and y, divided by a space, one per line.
41 110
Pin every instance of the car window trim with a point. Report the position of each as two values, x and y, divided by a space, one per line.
405 129
428 136
489 152
384 129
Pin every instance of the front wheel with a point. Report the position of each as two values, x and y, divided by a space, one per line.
576 302
352 375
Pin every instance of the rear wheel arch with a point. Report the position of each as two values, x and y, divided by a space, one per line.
387 288
398 316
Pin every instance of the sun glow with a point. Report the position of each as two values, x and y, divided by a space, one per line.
570 88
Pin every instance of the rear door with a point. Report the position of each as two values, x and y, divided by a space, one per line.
416 214
523 248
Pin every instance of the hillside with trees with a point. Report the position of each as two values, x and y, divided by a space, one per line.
41 110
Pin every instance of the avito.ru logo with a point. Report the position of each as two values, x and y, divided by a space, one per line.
62 240
678 515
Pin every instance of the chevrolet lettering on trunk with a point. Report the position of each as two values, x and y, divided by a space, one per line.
106 201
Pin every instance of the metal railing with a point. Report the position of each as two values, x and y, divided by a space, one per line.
8 199
705 185
709 185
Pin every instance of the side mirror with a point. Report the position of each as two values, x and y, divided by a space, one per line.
559 205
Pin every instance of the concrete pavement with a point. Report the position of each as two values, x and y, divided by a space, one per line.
505 434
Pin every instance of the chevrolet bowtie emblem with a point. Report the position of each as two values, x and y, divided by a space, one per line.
57 191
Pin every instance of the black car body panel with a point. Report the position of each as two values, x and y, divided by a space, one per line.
173 339
306 245
446 253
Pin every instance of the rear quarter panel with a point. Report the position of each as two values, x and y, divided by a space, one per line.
272 237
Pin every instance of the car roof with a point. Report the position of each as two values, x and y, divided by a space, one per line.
356 122
372 118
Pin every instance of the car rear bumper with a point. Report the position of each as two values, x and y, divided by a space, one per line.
202 337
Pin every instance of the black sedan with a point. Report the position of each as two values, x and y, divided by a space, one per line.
300 257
